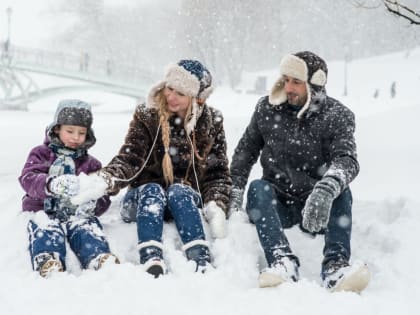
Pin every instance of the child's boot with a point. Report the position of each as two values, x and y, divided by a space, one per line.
103 259
47 264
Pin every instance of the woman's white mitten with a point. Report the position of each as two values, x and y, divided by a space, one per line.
216 218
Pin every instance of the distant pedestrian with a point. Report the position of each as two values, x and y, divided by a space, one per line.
108 67
84 62
393 89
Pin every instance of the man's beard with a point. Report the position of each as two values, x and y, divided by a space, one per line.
295 99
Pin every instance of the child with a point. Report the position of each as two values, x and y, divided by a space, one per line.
49 180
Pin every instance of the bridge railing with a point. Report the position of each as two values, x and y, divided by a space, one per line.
83 64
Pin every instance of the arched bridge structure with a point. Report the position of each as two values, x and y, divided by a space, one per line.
18 86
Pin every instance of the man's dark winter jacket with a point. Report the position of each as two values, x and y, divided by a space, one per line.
212 171
296 153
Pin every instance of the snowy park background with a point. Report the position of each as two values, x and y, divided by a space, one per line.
385 213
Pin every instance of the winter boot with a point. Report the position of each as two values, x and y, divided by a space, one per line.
151 258
103 259
338 275
284 269
47 264
198 252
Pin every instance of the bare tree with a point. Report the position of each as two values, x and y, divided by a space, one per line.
403 11
220 33
394 6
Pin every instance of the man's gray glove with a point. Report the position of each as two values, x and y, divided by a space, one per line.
236 200
316 212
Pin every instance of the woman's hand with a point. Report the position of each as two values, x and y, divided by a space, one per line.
216 218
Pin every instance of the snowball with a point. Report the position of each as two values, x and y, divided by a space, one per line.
92 187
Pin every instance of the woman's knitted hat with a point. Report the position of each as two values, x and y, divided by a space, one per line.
189 77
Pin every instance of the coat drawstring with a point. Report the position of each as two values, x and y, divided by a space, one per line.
148 157
194 170
145 162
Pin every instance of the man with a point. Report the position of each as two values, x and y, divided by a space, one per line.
308 156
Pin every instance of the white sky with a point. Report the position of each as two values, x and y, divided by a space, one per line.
30 21
27 26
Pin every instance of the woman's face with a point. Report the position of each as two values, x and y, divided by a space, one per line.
177 102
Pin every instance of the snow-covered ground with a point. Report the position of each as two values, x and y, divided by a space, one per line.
386 215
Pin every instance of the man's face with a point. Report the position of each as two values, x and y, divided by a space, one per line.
295 90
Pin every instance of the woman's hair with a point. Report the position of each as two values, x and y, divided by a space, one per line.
164 115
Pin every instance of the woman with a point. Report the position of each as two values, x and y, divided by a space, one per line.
174 162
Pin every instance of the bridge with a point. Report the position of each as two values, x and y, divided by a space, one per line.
18 86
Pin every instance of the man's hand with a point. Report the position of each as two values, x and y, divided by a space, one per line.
316 212
236 200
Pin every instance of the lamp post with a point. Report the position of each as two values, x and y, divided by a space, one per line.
346 60
9 17
7 43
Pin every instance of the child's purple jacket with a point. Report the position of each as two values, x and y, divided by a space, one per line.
35 173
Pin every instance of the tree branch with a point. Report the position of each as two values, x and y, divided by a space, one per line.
362 4
399 9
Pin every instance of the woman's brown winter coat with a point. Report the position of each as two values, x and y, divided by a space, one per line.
211 165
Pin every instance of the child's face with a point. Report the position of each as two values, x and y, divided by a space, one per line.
72 136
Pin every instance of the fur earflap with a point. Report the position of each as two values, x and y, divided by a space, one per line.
277 94
319 78
196 110
151 98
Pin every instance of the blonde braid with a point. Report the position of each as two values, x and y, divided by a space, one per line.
167 168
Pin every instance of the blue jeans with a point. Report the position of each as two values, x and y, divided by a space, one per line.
84 236
152 204
271 215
